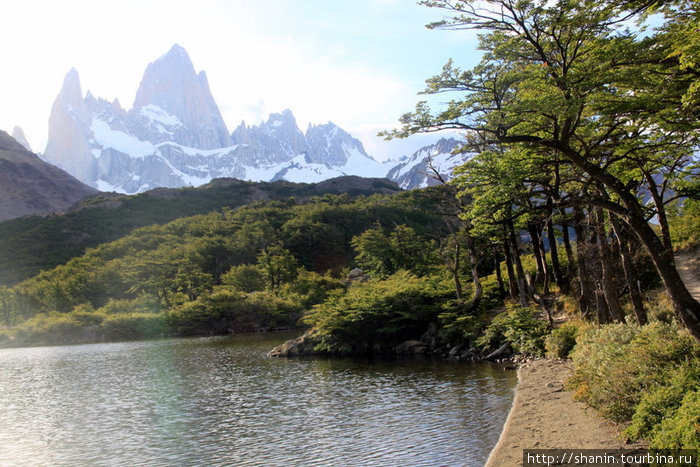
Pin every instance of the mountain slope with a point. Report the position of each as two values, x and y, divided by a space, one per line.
29 185
31 244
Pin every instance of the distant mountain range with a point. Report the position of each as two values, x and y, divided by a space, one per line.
174 136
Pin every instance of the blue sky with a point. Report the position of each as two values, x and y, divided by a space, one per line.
357 63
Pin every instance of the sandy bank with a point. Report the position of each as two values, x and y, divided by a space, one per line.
545 416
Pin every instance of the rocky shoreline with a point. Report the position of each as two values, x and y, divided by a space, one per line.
428 345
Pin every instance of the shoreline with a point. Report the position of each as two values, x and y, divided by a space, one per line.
545 416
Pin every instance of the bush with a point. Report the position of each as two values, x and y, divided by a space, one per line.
639 374
377 315
601 375
682 430
519 326
310 288
227 309
245 277
142 304
663 402
561 341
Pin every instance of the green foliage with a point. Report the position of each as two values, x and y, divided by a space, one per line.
245 277
462 325
647 375
228 310
377 315
129 326
682 429
519 326
561 341
663 401
278 266
684 223
381 254
310 288
31 244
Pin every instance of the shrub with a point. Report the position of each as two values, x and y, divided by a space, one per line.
227 309
519 326
561 341
377 315
600 376
617 365
142 304
310 288
663 402
682 430
245 277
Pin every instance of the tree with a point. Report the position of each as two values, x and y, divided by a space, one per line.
278 265
564 81
383 254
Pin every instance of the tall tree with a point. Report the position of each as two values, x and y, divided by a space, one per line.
565 79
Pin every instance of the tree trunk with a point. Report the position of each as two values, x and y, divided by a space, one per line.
478 290
455 271
586 294
512 281
607 273
686 308
660 211
602 310
554 253
522 284
630 275
539 259
570 261
499 276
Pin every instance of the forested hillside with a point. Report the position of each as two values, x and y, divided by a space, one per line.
229 270
31 244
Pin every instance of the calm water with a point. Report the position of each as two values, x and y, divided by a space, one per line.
220 401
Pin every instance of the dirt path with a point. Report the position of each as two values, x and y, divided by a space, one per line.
544 416
688 265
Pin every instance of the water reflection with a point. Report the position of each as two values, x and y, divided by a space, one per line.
219 401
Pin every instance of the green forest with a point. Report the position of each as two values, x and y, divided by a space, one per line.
556 237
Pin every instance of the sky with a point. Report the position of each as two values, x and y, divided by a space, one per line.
359 63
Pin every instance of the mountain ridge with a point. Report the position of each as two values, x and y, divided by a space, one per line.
28 185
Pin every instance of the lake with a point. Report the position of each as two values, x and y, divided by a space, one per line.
220 401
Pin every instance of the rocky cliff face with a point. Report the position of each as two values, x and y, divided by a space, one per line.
173 103
69 127
29 185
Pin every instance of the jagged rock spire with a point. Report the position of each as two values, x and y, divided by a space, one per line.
171 85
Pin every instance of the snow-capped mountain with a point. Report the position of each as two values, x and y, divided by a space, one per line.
174 136
415 171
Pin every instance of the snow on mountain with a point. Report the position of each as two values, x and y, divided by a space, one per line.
174 103
174 136
415 172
